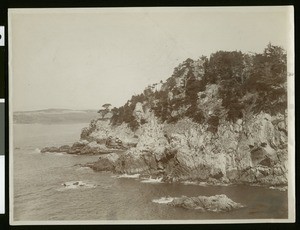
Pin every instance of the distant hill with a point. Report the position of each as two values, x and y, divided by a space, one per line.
54 116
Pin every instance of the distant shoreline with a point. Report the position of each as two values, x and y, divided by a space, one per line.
54 116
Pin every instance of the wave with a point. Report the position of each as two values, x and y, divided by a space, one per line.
84 168
163 200
282 189
129 176
37 150
30 151
151 180
204 184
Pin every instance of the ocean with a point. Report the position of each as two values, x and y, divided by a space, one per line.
53 186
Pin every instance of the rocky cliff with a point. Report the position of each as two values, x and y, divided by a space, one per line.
221 119
252 151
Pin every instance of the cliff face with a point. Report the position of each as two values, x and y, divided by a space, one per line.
217 120
252 151
246 151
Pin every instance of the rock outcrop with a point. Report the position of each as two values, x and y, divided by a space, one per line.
83 147
217 203
105 163
251 152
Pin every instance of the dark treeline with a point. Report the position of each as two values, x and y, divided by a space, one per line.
247 83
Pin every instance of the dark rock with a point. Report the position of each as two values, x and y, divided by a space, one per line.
257 155
216 174
103 165
131 164
105 162
112 142
232 174
79 144
50 149
150 160
77 147
266 162
64 148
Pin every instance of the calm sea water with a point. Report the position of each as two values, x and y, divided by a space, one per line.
39 193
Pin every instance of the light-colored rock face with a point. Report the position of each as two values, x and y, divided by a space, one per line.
250 150
138 112
245 151
208 102
103 130
152 138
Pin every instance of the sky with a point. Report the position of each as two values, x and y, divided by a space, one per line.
84 58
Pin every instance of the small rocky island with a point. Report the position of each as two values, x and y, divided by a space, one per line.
218 120
217 203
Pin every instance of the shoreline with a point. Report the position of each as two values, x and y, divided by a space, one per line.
158 175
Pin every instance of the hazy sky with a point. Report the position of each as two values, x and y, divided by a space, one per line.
81 59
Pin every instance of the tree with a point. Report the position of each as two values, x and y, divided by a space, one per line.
105 110
106 106
268 78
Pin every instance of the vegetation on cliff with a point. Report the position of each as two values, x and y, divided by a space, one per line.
245 83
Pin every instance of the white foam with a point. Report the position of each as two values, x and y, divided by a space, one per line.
129 176
163 200
84 168
255 185
190 182
204 184
151 180
37 150
282 189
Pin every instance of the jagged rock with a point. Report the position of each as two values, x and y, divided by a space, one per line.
131 164
258 155
216 173
232 174
102 129
217 203
266 162
185 151
105 162
152 138
77 147
64 148
116 143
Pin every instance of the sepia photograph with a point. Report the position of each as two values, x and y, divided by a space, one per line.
151 115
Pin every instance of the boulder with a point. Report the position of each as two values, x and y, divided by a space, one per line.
50 150
105 162
258 155
114 142
131 164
